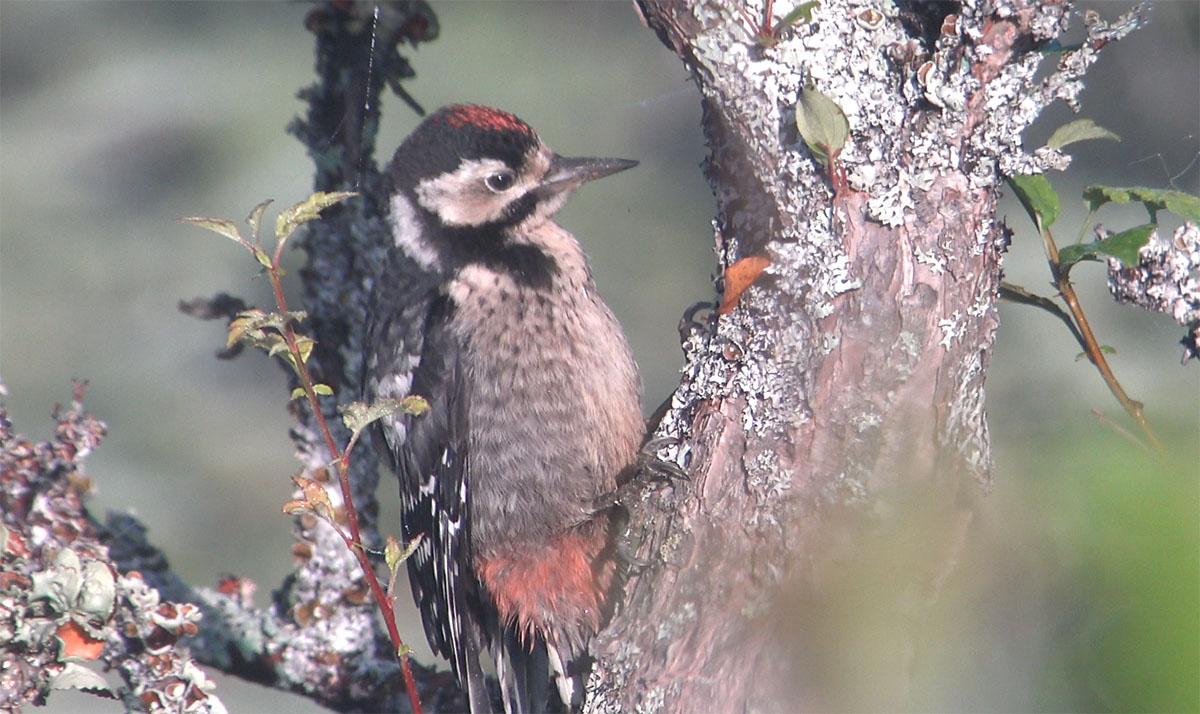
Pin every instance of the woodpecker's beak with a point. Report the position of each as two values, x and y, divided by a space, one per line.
567 174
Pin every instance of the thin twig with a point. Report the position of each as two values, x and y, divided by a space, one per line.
1021 296
1091 346
343 471
1102 418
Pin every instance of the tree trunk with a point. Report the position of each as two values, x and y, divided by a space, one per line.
834 420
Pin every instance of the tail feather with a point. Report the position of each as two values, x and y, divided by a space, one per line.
524 675
466 665
476 685
570 685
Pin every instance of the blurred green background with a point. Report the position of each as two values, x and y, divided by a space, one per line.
1081 586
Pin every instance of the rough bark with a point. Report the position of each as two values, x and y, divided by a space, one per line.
842 403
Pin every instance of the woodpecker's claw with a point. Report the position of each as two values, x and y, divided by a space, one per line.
689 324
650 474
660 470
662 442
655 467
625 549
625 552
649 468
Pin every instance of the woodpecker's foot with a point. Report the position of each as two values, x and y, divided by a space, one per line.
649 473
625 543
627 554
656 468
613 500
648 468
689 324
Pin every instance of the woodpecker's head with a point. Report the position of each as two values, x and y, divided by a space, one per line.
474 178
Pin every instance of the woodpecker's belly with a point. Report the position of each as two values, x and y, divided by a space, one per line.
554 405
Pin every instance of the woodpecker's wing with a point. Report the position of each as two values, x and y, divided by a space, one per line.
411 349
432 465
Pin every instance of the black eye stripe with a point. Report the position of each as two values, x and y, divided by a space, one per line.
519 209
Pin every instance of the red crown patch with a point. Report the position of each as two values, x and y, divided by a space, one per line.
484 117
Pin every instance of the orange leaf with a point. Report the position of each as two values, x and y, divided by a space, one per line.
77 643
740 276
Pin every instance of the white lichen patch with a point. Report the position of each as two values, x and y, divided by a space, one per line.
952 329
891 205
966 428
1164 280
936 263
863 422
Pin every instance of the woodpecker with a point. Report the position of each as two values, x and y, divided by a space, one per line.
487 308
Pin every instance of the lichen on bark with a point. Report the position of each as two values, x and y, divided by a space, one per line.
850 380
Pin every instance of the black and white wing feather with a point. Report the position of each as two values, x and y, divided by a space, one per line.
413 350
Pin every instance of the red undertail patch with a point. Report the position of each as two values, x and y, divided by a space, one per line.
552 589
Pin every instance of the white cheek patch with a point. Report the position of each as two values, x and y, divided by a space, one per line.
460 198
408 233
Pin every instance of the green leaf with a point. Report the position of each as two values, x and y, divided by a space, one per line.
1106 349
307 210
1037 196
358 415
822 124
275 345
323 389
305 346
1123 246
1071 254
258 319
290 360
297 393
289 316
1079 130
394 553
254 220
262 258
216 225
247 323
1177 202
800 13
769 37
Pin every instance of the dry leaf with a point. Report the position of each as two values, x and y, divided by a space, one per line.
740 276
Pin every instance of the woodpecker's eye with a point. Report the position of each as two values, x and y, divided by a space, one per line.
500 182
